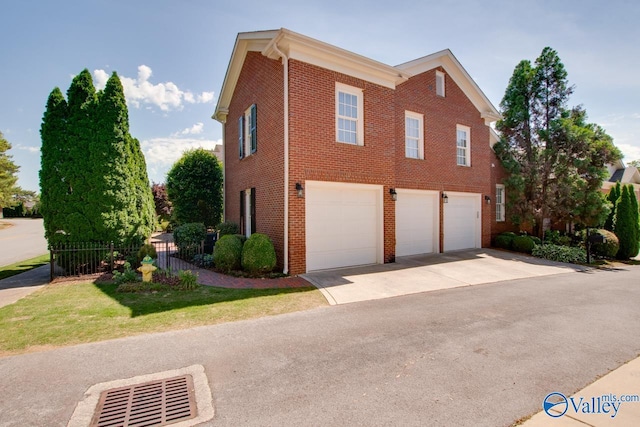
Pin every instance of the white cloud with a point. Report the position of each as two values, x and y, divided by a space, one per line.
165 151
631 152
196 129
167 96
28 148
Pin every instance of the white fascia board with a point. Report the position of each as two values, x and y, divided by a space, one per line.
255 41
306 49
456 71
494 136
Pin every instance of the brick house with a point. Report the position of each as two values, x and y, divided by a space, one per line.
344 161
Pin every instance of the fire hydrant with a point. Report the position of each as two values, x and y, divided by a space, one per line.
147 268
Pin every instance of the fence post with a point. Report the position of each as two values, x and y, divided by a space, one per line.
111 256
166 255
51 264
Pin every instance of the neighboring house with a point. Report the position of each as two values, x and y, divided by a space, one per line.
343 160
625 174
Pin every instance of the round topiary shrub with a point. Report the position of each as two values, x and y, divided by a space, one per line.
608 249
504 240
258 254
227 253
523 244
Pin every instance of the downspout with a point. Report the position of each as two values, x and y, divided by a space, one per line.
285 62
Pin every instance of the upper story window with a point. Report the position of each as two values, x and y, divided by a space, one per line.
413 135
463 145
349 115
499 203
439 83
248 132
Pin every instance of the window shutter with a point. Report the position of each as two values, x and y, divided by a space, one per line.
242 212
254 128
253 210
241 136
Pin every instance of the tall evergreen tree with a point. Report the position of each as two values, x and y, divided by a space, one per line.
555 159
92 168
624 226
612 197
53 171
635 214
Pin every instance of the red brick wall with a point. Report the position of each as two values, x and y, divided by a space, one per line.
261 82
438 170
498 174
315 154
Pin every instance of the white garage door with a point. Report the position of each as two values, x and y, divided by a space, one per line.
417 222
343 224
462 221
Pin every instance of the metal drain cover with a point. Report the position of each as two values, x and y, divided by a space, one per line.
177 398
155 403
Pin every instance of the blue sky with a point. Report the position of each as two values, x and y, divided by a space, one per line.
173 55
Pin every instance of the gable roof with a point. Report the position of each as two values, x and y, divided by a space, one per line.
276 43
628 175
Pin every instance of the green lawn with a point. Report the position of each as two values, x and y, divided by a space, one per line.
22 266
67 314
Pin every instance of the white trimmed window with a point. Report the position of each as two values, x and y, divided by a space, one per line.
248 132
463 145
349 115
500 203
413 135
439 83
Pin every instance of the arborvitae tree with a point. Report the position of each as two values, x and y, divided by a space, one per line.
636 219
612 197
54 164
194 186
90 176
624 226
8 178
555 160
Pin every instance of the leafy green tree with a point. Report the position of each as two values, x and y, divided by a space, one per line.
194 186
8 178
93 178
634 163
612 197
625 224
555 159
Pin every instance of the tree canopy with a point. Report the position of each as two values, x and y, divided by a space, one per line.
8 178
93 177
194 186
554 157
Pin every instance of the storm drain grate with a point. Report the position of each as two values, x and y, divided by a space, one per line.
155 403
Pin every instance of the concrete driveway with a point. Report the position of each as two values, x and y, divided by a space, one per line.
422 273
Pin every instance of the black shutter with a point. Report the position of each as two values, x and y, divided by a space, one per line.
242 219
253 128
241 136
253 210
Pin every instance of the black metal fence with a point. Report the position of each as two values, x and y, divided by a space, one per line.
79 259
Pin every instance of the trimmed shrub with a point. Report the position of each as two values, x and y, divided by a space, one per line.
227 227
227 254
188 237
258 254
145 250
608 249
523 244
504 240
560 253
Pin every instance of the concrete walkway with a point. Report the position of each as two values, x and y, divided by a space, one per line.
15 287
422 273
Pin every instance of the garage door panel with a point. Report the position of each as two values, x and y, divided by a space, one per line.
416 223
461 222
342 225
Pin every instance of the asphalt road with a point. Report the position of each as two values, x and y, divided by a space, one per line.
485 355
22 241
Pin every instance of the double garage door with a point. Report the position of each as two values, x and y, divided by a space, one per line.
344 223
